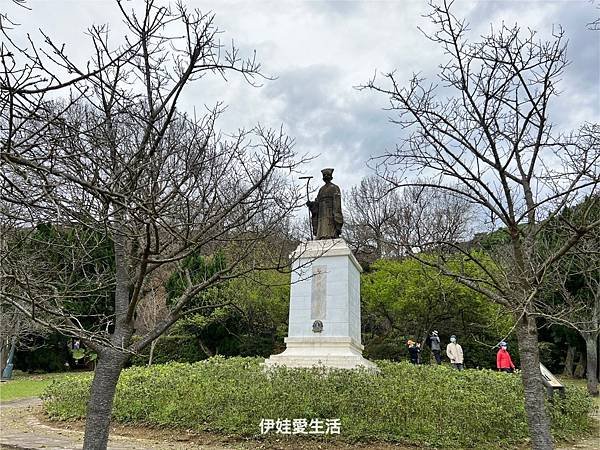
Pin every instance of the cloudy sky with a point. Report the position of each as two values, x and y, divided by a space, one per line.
320 50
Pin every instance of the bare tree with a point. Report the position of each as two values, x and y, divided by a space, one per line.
370 209
581 309
484 132
573 287
105 160
595 24
381 218
428 215
153 307
17 332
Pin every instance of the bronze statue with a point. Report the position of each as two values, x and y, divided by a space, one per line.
326 210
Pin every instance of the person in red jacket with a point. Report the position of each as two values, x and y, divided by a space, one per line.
503 360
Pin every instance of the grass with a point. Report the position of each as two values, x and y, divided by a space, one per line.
23 385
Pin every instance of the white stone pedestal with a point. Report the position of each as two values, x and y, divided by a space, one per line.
325 290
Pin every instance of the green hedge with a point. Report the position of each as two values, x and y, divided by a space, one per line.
423 405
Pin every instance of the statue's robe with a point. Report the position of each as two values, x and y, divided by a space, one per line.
326 212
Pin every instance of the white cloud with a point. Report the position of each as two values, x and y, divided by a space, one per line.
319 50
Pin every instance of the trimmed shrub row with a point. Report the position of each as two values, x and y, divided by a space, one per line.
422 405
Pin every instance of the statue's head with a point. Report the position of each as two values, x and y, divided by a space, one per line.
327 174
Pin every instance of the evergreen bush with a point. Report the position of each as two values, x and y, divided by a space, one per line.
422 405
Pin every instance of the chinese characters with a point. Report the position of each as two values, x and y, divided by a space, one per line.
300 426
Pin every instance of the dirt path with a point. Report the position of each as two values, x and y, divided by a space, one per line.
22 428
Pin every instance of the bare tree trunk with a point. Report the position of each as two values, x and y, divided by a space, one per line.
537 417
598 358
97 423
579 371
379 244
8 368
110 361
569 361
2 356
205 349
152 345
591 346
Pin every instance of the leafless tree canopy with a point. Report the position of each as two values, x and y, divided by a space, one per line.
370 209
572 295
16 327
382 219
105 181
117 157
492 143
483 132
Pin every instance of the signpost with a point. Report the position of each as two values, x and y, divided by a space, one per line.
551 382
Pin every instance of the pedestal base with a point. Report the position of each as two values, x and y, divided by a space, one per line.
329 352
324 322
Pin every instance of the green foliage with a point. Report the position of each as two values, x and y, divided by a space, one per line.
493 240
407 300
73 265
552 355
254 324
200 268
172 347
81 354
567 413
420 405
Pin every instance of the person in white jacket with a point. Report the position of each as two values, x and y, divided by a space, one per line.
455 353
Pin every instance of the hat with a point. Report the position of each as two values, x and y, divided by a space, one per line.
328 171
453 336
503 344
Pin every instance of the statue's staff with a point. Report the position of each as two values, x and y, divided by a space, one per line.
308 200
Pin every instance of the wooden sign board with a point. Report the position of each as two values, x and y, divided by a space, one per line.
550 380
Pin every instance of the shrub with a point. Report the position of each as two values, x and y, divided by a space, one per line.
422 405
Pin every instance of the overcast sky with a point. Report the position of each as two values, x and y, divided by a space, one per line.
320 50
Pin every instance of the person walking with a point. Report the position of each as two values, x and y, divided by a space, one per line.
455 353
436 349
503 360
413 350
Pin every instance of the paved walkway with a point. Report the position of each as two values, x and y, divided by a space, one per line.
21 429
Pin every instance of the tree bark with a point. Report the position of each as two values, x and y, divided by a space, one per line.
152 345
2 356
97 423
110 360
569 361
579 371
591 347
379 244
537 417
